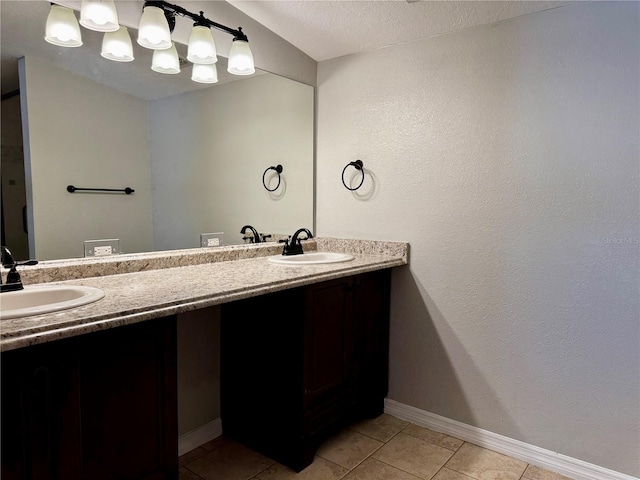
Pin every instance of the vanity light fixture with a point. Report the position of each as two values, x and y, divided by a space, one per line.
116 46
202 48
62 27
154 32
99 15
166 61
203 73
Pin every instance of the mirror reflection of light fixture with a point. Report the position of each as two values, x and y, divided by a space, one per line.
166 61
117 46
154 32
62 27
240 58
204 73
202 48
99 15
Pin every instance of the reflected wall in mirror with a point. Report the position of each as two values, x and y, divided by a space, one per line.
194 156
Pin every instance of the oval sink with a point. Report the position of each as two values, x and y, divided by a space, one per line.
313 258
39 299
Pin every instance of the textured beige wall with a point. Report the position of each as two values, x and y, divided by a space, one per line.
507 155
73 127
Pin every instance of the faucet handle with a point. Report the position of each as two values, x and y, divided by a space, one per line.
6 257
27 263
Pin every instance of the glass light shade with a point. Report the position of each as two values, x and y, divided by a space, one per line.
153 31
202 48
62 27
204 73
166 61
117 46
99 15
240 59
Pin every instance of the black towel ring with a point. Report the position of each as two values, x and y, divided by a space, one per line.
359 166
278 170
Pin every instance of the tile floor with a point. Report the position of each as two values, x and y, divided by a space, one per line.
385 448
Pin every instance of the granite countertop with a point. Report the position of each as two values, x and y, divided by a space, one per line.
144 295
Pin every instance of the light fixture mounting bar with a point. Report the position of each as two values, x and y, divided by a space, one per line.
200 19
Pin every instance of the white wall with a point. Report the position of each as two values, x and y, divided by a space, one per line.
84 134
208 180
507 155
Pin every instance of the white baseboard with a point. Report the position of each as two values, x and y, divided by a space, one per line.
199 436
571 467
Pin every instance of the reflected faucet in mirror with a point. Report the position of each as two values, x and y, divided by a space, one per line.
254 237
14 282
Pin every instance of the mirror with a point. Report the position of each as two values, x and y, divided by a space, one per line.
195 154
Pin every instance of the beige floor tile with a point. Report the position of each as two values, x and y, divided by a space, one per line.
382 428
440 439
216 443
191 456
230 462
185 474
348 448
483 464
446 474
372 469
536 473
420 458
320 469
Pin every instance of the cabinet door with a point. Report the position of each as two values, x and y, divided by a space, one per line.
328 362
127 389
97 406
37 385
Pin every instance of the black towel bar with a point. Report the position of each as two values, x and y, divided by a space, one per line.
127 190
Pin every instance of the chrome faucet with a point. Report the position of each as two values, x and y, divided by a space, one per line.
254 232
14 282
292 245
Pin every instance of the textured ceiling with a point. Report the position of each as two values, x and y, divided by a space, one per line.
333 28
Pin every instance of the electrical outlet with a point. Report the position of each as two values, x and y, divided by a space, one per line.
211 239
101 251
101 248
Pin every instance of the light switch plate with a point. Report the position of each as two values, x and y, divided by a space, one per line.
101 248
212 239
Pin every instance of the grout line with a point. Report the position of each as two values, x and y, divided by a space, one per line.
439 433
185 466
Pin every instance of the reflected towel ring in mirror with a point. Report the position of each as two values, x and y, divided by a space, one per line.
359 166
278 170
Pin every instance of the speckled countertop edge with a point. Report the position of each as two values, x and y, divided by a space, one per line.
135 297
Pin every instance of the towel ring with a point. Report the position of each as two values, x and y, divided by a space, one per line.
278 170
358 166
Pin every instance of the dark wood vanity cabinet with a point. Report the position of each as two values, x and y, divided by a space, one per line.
300 364
97 406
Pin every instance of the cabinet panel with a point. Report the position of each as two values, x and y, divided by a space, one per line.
299 365
328 340
93 407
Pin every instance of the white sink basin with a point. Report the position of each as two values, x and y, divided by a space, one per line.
313 258
39 299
